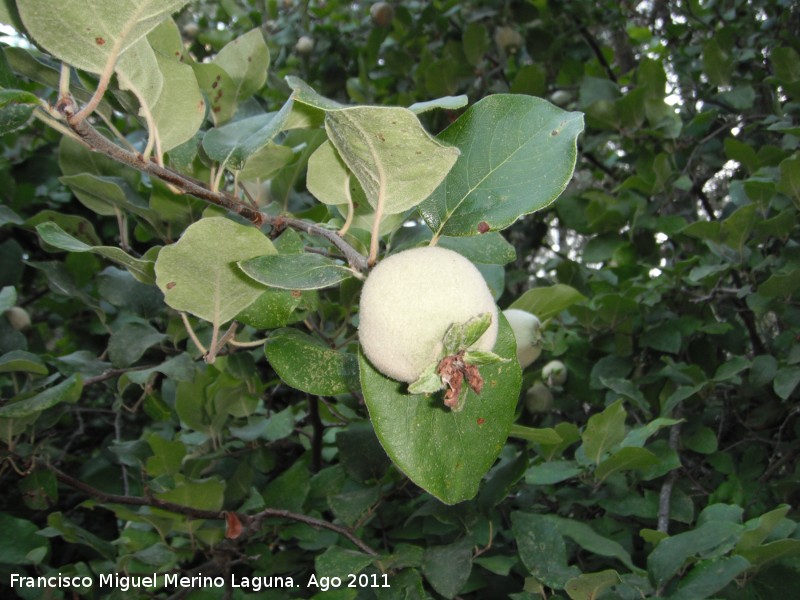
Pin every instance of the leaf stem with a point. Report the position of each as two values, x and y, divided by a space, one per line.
99 143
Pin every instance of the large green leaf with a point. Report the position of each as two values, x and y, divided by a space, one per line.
68 390
87 33
542 549
445 452
397 162
306 364
245 60
198 274
517 155
180 108
603 431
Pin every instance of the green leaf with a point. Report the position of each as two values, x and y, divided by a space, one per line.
16 107
603 431
339 562
444 452
786 380
625 459
553 472
306 364
758 529
202 494
232 144
68 391
276 308
198 274
429 382
21 361
638 436
180 109
761 555
107 195
542 549
167 456
537 436
131 341
490 248
288 491
548 302
591 541
709 577
142 270
709 540
447 568
20 540
589 585
246 61
790 177
396 161
444 103
89 33
460 336
517 155
295 271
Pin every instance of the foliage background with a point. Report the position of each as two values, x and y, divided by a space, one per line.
679 414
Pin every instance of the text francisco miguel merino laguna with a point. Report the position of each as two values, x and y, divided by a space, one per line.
253 583
170 580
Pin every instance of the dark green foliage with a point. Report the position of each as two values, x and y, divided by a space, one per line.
668 273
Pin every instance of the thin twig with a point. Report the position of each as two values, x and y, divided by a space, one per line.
251 522
665 496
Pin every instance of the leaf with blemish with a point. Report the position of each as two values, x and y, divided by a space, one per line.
446 452
89 33
396 161
517 155
198 274
246 60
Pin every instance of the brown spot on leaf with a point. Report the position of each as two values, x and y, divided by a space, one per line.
215 84
481 421
171 285
296 293
216 109
554 132
99 41
483 227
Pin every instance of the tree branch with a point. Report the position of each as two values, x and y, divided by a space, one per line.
99 143
251 522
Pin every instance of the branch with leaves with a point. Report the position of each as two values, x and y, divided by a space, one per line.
249 523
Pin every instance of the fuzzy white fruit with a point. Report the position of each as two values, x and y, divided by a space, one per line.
410 300
527 332
554 373
538 398
18 318
305 45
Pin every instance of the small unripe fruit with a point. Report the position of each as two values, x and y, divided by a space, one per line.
527 332
508 39
538 398
560 97
18 318
410 300
304 45
554 373
382 14
190 30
